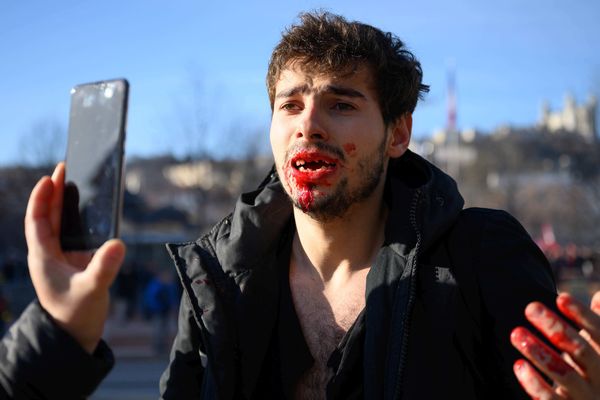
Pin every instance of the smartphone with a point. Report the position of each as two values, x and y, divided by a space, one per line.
93 191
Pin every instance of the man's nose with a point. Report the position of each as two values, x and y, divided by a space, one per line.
312 125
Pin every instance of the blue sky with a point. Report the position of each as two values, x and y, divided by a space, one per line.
198 63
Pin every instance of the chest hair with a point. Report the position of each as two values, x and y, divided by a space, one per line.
324 320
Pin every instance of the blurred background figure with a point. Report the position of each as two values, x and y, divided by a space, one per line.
161 298
126 290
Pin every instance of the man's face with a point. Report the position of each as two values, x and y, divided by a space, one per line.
329 140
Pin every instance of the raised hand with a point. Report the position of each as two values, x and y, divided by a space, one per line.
576 372
73 287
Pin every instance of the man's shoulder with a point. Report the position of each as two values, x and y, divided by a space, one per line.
494 243
484 233
482 215
478 220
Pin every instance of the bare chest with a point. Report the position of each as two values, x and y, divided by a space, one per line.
324 317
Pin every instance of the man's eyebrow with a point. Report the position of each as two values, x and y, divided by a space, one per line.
338 90
344 91
292 91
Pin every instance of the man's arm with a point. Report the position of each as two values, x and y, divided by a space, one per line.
512 272
39 360
73 295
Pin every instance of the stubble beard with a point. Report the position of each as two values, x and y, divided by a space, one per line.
327 207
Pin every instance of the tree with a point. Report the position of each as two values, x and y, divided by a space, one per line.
44 144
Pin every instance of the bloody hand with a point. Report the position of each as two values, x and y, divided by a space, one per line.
576 371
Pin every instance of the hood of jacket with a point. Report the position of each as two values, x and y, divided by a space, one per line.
434 195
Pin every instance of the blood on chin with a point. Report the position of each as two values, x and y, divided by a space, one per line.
306 196
304 188
305 199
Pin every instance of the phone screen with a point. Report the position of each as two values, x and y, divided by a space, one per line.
94 162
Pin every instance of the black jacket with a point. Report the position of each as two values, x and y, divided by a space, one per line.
444 293
38 360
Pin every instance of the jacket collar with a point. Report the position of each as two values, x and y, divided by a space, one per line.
411 178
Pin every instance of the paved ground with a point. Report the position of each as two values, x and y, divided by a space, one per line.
138 364
132 379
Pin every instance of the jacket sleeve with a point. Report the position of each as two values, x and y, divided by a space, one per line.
512 272
183 378
39 360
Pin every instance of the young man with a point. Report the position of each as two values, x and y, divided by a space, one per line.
352 272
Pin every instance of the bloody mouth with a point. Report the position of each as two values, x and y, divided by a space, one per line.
312 167
307 169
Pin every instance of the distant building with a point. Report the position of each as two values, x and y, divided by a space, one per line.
185 197
580 119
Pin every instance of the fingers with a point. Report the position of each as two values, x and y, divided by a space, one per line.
539 353
38 230
586 318
554 328
549 362
565 338
532 382
579 380
105 264
42 218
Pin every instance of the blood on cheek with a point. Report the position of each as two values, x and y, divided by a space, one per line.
568 307
538 352
350 149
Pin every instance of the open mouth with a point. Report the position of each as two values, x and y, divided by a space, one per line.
312 165
308 168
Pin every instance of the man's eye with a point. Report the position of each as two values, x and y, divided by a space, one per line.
289 106
343 107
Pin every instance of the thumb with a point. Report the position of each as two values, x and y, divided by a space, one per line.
105 264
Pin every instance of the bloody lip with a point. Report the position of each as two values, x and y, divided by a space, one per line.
305 174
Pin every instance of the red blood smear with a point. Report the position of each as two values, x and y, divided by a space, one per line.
567 307
307 179
350 148
538 351
306 199
548 320
563 342
525 376
303 187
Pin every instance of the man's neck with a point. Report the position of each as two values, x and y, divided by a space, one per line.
342 246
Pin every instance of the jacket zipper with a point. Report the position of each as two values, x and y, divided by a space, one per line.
411 295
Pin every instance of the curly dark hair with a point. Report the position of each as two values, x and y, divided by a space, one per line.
325 42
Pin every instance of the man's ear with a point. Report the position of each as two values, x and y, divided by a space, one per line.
400 133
